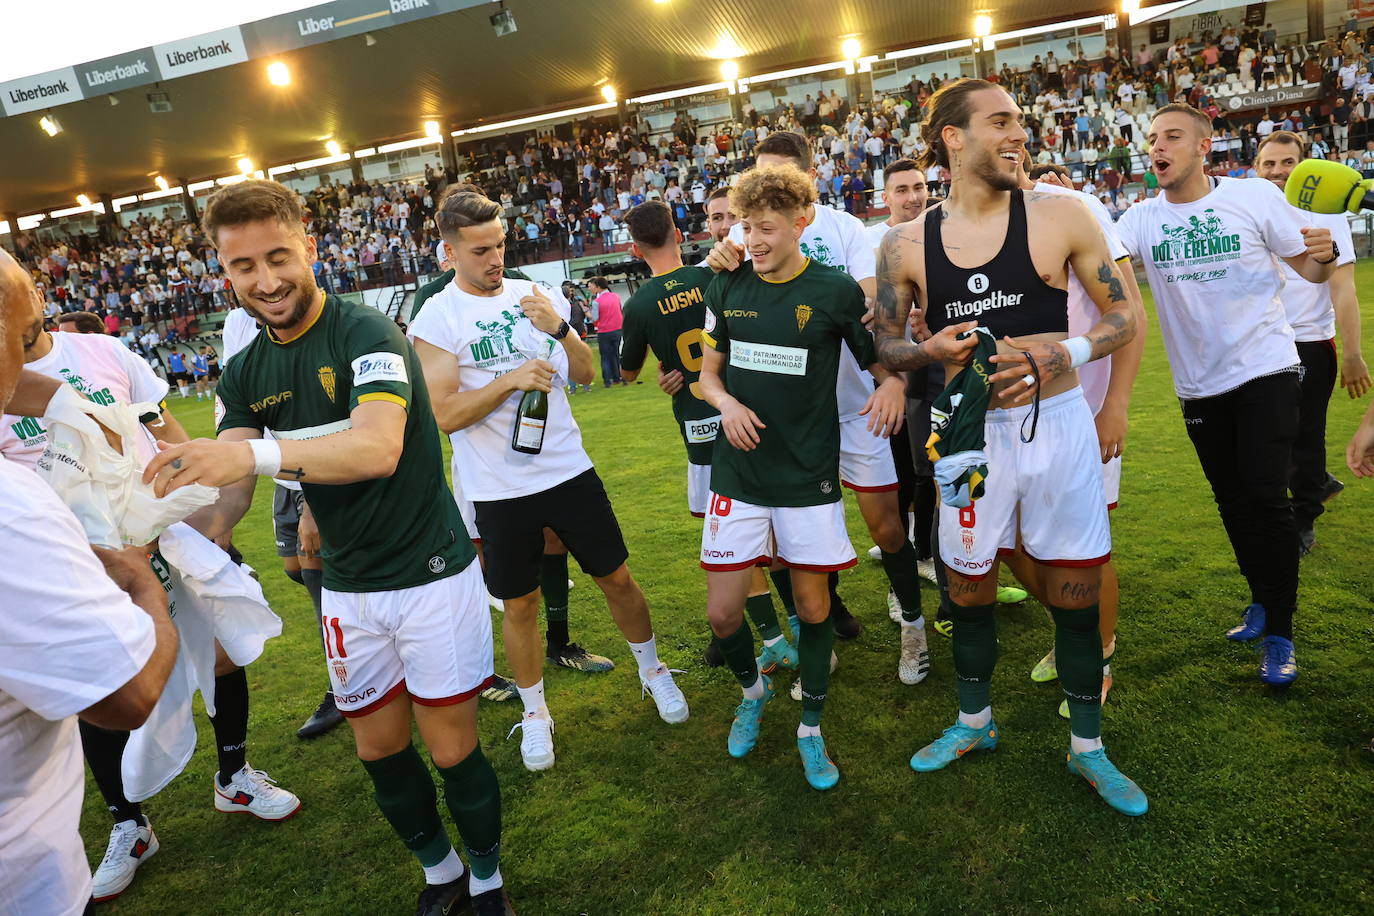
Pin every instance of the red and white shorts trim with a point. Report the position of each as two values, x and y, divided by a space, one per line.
432 641
698 488
1052 485
737 535
866 461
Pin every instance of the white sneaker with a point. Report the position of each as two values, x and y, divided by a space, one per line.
875 552
536 740
257 793
926 569
795 692
672 705
894 607
130 846
496 603
914 663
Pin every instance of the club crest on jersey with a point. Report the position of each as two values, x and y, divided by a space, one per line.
340 671
327 380
715 527
803 316
826 487
672 284
436 565
967 538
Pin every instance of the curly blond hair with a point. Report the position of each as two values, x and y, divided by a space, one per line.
781 188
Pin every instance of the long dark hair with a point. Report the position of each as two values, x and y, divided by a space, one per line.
948 107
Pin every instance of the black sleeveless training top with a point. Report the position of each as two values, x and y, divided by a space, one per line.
1005 295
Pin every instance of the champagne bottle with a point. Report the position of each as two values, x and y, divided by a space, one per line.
531 417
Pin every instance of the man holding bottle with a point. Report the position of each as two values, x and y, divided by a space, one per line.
479 341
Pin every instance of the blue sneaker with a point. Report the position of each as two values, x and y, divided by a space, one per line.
1250 627
1278 664
821 771
955 742
1116 790
744 731
780 654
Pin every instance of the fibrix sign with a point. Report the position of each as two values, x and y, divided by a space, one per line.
222 48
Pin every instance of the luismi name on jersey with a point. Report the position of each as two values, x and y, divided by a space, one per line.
977 284
768 358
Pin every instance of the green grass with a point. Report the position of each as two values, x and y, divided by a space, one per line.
1259 800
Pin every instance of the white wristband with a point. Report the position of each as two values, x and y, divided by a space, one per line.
1080 351
266 457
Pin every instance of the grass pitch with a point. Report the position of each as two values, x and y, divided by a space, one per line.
1259 800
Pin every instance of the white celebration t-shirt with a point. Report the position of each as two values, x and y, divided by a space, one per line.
1215 284
491 336
68 639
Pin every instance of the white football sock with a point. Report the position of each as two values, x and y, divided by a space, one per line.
808 731
978 719
478 885
774 641
918 622
646 654
532 697
755 690
1083 745
451 869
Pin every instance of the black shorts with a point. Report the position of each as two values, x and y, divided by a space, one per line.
286 519
512 532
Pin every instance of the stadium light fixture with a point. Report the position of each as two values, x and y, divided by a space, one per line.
83 200
245 166
608 93
161 183
368 40
334 148
982 26
729 71
278 74
850 49
1130 7
51 126
432 130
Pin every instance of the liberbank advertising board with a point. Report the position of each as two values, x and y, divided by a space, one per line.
222 48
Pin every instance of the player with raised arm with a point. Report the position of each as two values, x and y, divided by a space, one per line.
406 625
1210 246
1044 486
484 341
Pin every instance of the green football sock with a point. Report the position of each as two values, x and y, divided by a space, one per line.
1078 655
813 653
975 655
760 610
738 652
782 582
906 581
404 791
553 582
474 801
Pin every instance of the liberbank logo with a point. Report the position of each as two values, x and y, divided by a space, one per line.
311 25
42 90
117 74
201 53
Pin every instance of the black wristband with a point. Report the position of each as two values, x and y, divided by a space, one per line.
563 329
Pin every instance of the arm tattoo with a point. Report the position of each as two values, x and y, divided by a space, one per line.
894 299
297 473
1108 278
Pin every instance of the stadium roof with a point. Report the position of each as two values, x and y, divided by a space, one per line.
452 68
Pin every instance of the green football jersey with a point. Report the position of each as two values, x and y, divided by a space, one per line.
666 315
781 340
376 535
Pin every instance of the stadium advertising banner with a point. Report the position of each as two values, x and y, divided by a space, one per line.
1273 97
222 48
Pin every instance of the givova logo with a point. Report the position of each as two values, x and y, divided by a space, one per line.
1201 240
